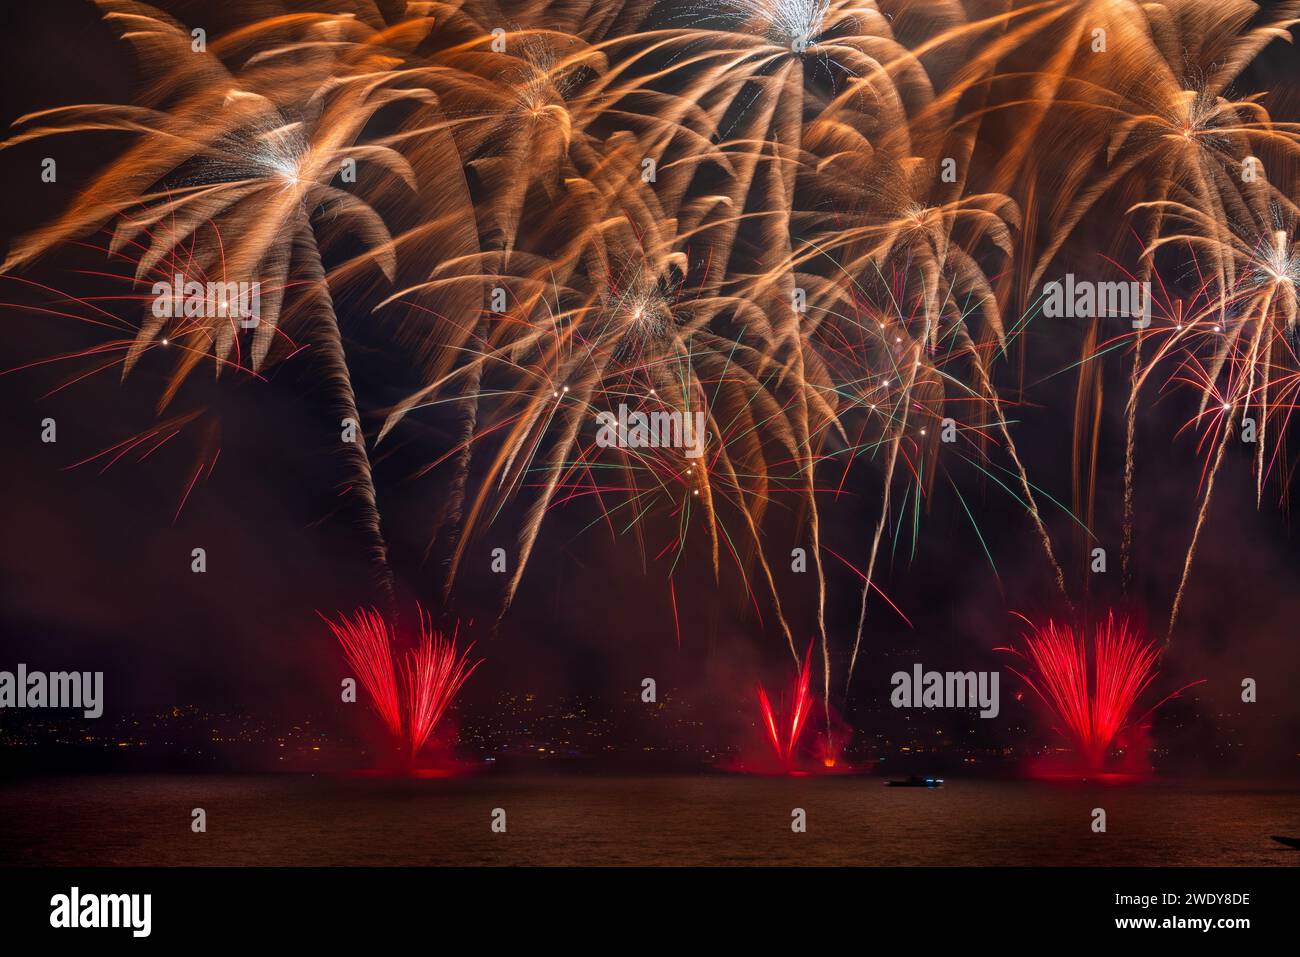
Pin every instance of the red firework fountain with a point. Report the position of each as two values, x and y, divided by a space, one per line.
367 644
431 675
784 732
1092 712
434 676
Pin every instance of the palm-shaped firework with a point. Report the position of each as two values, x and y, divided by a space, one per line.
820 223
230 178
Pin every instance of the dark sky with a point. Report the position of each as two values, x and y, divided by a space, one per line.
94 573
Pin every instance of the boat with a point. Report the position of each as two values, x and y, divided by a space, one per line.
915 781
1288 841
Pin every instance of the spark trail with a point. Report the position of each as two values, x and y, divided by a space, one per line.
413 698
1091 704
785 730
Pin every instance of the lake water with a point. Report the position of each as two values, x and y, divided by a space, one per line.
682 820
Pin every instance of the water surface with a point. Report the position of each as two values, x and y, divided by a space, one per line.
708 819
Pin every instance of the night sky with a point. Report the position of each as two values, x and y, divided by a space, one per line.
95 567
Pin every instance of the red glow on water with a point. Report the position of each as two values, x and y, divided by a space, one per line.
434 773
439 772
1066 776
1093 698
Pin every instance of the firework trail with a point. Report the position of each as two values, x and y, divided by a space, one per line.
368 646
941 288
1196 534
1152 120
736 207
784 730
412 699
1091 704
232 158
1238 348
434 675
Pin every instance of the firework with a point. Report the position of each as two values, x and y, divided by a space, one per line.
818 223
1093 688
412 699
434 674
368 646
232 160
784 729
1238 349
1153 121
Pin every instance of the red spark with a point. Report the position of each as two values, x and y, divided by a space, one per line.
431 675
793 724
367 645
1092 707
